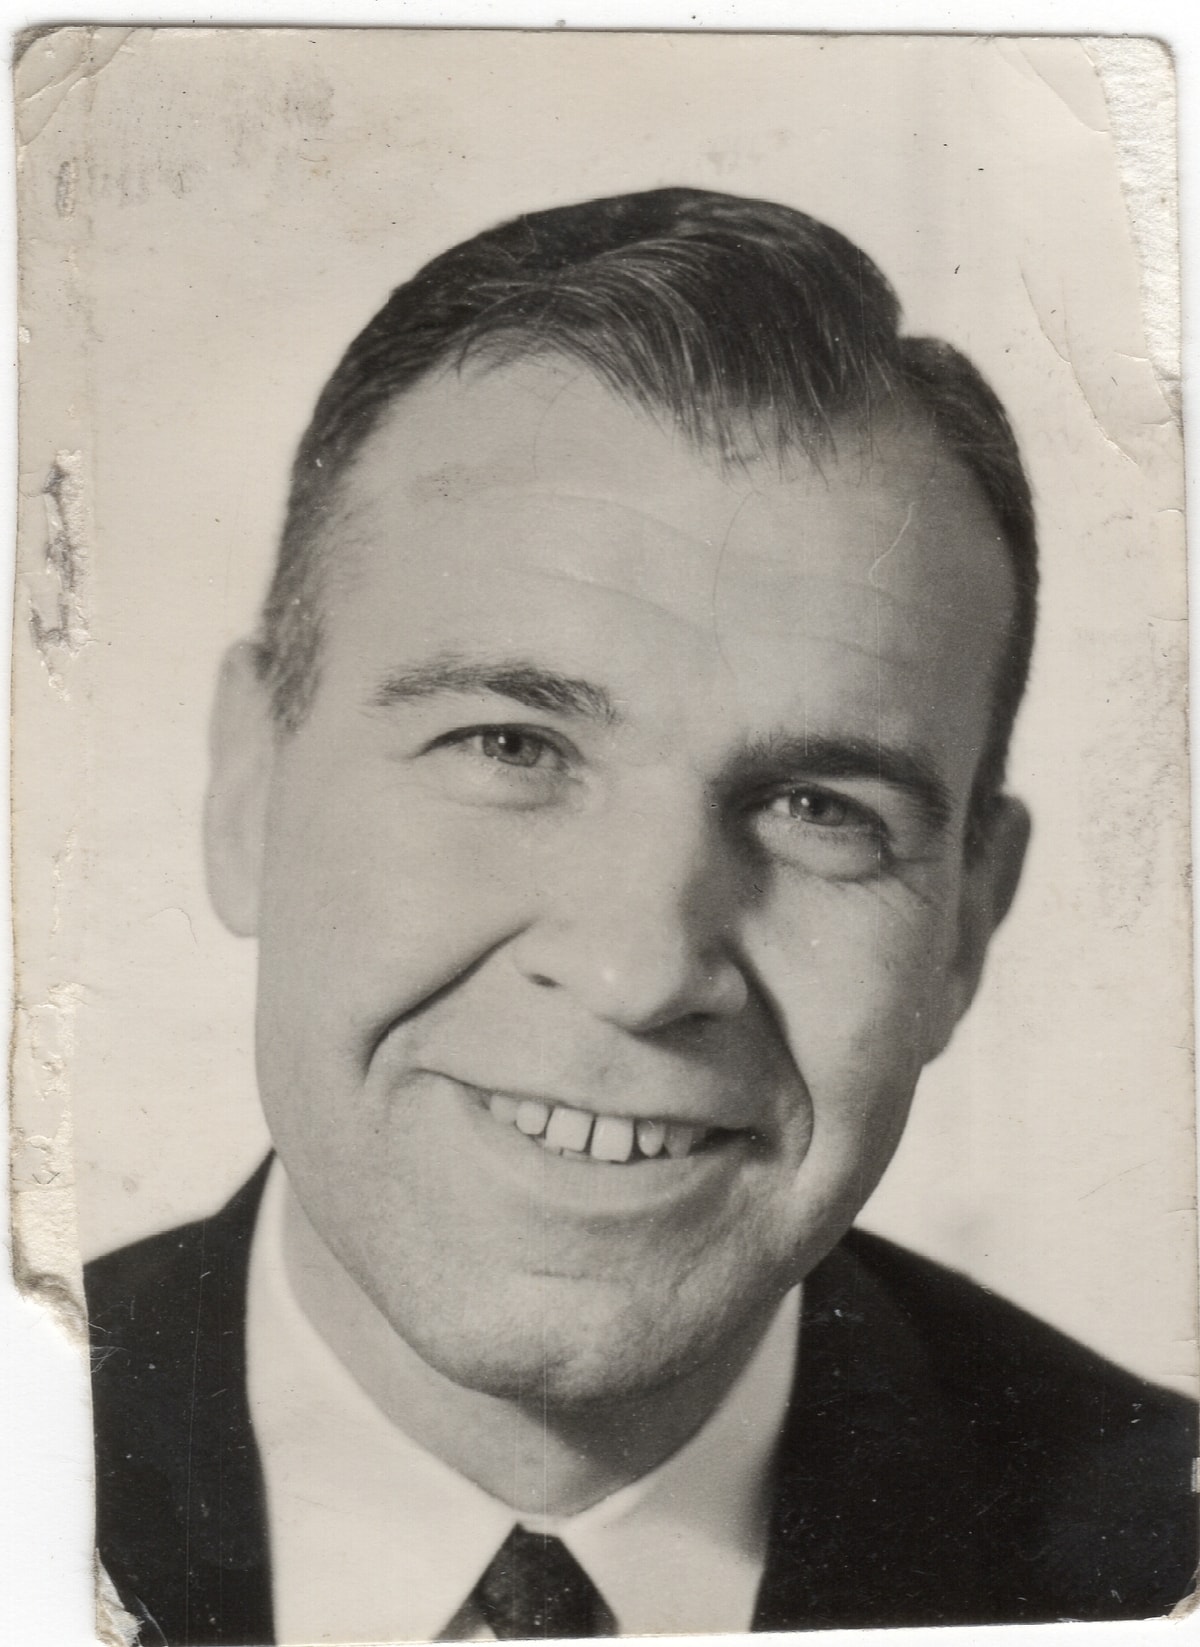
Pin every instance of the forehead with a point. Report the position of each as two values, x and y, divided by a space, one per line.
534 488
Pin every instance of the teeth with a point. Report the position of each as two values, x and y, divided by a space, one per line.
680 1140
651 1135
580 1136
532 1117
612 1138
569 1129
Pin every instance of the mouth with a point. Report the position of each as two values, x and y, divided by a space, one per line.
611 1140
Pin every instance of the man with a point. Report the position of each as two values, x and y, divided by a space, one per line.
615 793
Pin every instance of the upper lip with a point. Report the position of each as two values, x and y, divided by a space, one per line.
714 1118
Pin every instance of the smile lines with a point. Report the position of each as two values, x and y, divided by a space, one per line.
586 1137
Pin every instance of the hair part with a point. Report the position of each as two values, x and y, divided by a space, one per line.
737 320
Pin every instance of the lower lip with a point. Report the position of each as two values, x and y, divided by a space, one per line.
591 1188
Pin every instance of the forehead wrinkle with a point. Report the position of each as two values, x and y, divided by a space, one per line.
641 511
698 623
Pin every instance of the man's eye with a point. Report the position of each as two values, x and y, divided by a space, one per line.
501 766
824 833
516 748
818 807
822 809
513 747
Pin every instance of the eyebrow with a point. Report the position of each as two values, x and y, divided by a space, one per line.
813 756
779 756
525 683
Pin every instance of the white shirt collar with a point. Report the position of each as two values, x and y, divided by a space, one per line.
373 1539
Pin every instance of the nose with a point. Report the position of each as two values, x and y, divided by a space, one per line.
636 924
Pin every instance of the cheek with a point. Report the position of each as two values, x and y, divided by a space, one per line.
855 973
375 898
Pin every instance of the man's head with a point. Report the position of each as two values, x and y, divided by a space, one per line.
618 771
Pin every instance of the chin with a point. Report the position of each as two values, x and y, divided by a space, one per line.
566 1345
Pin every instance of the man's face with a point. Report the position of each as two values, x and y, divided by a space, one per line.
614 890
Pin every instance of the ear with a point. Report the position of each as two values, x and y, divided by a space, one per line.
241 752
990 879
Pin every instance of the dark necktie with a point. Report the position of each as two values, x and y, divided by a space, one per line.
534 1588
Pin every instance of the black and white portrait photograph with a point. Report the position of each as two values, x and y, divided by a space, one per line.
602 1036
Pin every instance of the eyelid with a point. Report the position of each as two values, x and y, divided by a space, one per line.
861 813
823 846
547 735
833 791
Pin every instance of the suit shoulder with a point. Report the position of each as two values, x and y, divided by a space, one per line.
981 1343
140 1291
1031 1393
113 1280
950 1459
177 1469
1088 1467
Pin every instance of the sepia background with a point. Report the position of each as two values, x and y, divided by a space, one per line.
209 217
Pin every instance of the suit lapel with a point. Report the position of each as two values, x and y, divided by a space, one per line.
181 1515
874 1476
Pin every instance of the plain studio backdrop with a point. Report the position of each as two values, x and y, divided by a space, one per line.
209 217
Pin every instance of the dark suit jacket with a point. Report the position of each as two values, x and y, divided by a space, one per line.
946 1459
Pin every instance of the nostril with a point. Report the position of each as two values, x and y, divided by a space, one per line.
541 980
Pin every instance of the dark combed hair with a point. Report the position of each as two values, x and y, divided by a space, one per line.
737 320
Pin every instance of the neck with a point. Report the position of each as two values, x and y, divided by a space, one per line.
536 1459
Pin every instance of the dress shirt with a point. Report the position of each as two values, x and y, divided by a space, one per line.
373 1539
